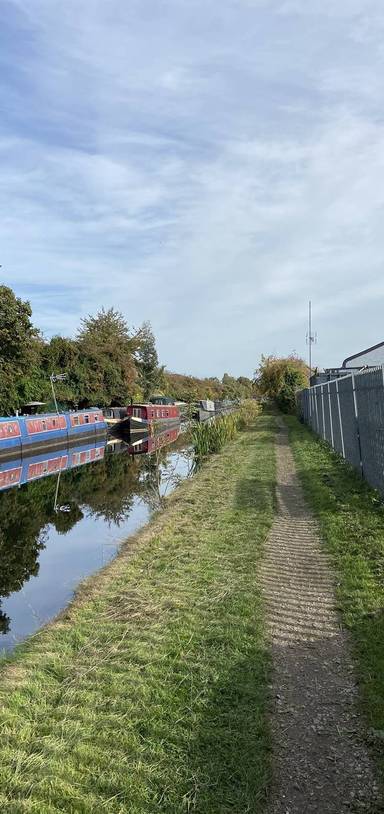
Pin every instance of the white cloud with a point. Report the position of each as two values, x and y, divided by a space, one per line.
207 166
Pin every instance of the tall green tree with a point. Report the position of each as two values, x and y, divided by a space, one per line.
230 388
151 375
17 348
106 370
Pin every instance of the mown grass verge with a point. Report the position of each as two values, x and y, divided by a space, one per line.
148 694
351 518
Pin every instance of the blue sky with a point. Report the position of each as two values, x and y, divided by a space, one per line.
206 165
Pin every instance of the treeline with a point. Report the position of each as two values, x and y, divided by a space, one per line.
107 363
190 388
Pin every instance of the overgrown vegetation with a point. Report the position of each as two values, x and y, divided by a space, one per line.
247 413
351 518
279 379
212 435
149 694
108 362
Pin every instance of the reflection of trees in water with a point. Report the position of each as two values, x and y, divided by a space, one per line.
105 489
21 540
160 475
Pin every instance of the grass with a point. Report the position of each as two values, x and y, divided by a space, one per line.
351 518
149 693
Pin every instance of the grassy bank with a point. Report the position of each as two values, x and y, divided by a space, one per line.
351 518
148 695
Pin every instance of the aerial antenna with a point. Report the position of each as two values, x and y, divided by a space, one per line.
311 337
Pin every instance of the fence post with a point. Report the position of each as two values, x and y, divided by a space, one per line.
340 421
357 424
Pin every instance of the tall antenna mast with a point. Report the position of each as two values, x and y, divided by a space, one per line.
311 337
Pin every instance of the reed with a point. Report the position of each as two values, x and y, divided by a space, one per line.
211 436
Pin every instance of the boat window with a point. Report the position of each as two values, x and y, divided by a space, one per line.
96 417
75 420
167 412
43 425
10 429
86 419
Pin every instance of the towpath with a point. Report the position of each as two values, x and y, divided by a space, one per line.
321 763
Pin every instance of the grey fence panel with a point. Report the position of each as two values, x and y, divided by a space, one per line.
327 414
316 410
349 421
369 388
336 418
311 403
306 407
349 414
320 409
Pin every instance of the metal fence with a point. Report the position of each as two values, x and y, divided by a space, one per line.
349 414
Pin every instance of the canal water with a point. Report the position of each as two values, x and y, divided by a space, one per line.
64 515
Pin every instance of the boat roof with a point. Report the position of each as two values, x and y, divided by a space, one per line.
149 404
50 415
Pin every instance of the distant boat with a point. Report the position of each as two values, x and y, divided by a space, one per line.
207 405
24 435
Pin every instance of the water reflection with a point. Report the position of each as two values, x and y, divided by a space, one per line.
63 515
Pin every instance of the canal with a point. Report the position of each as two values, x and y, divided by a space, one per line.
64 515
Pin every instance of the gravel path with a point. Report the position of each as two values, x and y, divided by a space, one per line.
321 763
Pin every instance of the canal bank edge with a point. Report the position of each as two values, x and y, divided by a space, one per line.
160 661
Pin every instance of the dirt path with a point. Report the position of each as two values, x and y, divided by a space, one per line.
321 764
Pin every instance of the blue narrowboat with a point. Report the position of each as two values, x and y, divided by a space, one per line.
20 435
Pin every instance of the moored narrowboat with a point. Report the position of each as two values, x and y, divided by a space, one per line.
22 435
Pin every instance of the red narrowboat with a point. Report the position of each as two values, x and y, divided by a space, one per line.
151 418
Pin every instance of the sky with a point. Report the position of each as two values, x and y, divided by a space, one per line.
207 165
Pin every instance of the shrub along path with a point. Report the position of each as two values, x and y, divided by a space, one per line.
320 761
148 695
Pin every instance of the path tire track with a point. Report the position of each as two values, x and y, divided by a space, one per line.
321 763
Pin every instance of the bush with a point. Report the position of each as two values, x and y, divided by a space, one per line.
249 410
280 379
